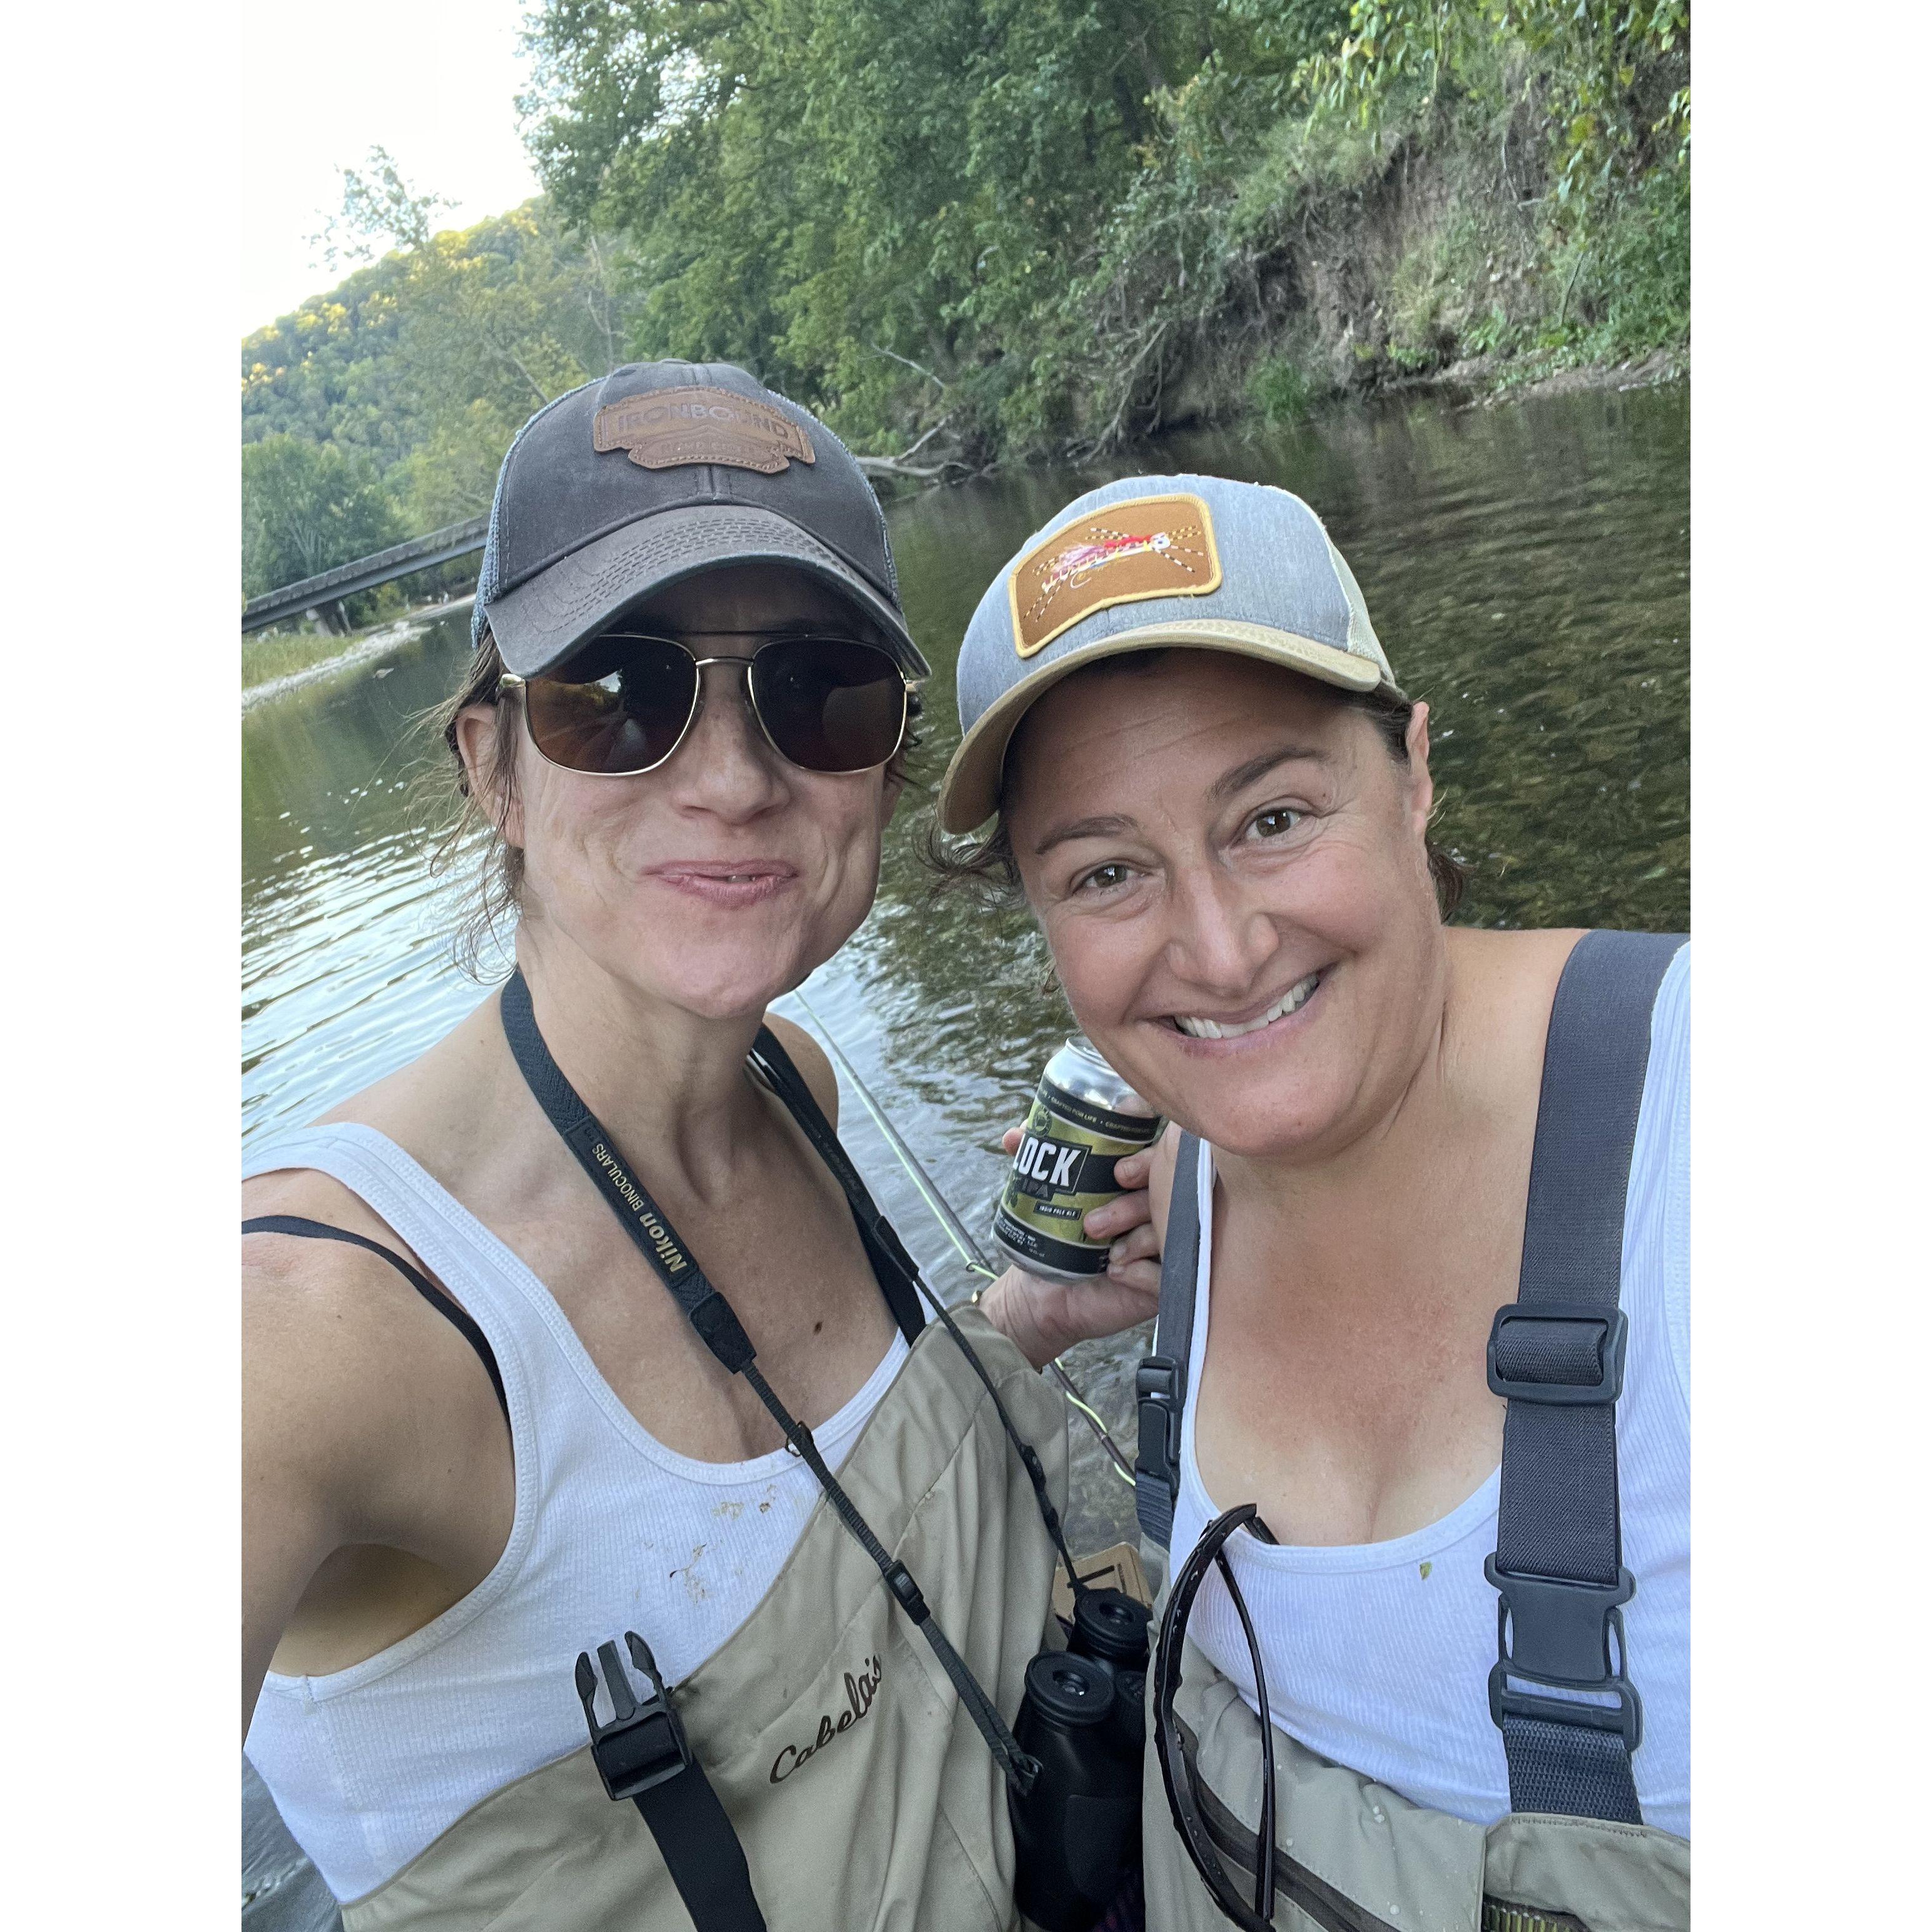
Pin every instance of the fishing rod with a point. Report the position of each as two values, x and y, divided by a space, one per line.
961 1237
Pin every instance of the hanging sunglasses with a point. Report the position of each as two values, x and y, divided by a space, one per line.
828 704
1206 1837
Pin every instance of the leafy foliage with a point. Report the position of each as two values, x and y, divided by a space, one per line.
882 206
425 360
1598 61
1054 222
989 226
306 508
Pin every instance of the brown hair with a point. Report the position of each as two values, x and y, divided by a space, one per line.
489 900
986 865
493 893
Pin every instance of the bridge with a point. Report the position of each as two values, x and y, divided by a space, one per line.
325 592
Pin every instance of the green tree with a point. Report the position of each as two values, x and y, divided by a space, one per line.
428 357
976 227
305 508
870 201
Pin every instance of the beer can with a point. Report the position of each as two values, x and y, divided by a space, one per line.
1083 1119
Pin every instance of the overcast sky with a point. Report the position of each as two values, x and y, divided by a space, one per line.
434 81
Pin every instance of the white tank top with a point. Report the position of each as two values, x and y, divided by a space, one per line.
612 1531
1378 1655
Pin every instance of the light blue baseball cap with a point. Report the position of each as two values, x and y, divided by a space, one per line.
1199 562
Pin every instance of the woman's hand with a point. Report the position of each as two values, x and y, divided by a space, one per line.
1044 1318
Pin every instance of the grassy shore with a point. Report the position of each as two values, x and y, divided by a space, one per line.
268 656
276 661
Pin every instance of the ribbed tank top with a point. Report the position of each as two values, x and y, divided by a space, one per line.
612 1531
1378 1655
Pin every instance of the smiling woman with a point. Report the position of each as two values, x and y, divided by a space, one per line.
636 695
1422 1355
1244 787
556 1337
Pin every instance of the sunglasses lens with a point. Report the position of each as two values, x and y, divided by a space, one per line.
830 704
627 721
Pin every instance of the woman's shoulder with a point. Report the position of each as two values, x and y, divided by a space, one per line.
1505 982
341 1358
343 1353
1521 964
317 1292
448 1082
1502 986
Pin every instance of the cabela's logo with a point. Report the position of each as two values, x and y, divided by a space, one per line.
859 1692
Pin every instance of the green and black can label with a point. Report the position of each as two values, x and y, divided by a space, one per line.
1083 1119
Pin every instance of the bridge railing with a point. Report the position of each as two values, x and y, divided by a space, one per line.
365 573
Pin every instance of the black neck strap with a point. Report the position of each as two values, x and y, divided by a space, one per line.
897 1272
719 1329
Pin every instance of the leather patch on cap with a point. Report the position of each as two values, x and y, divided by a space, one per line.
1146 547
662 428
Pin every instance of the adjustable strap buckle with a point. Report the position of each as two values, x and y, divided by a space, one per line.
1157 1408
1562 1631
905 1587
644 1744
1546 1351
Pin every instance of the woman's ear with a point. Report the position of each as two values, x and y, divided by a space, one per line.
1422 786
489 766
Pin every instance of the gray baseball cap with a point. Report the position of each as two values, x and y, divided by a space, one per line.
653 473
1196 561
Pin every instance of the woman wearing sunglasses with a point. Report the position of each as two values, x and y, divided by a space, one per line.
1414 1430
557 1337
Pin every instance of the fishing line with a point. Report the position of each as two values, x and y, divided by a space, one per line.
957 1232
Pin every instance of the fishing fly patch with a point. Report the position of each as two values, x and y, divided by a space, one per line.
1153 547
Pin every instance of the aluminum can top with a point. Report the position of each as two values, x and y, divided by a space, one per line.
1080 1072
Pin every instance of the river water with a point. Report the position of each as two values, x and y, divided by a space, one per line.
1527 567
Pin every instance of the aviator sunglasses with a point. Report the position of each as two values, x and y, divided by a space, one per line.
826 703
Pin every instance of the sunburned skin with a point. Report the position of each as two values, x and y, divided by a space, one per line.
1230 869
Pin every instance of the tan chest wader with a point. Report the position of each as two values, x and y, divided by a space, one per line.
1350 1855
810 1775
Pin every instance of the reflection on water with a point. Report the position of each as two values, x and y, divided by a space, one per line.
1527 569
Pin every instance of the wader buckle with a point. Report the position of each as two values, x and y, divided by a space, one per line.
1157 1383
644 1744
1530 1366
1561 1630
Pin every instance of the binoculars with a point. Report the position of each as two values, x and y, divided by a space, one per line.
1076 1832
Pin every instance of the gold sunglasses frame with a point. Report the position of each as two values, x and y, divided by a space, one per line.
511 681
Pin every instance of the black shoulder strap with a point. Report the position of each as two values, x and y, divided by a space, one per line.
1160 1382
642 1754
898 1276
897 1273
459 1318
1556 1353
